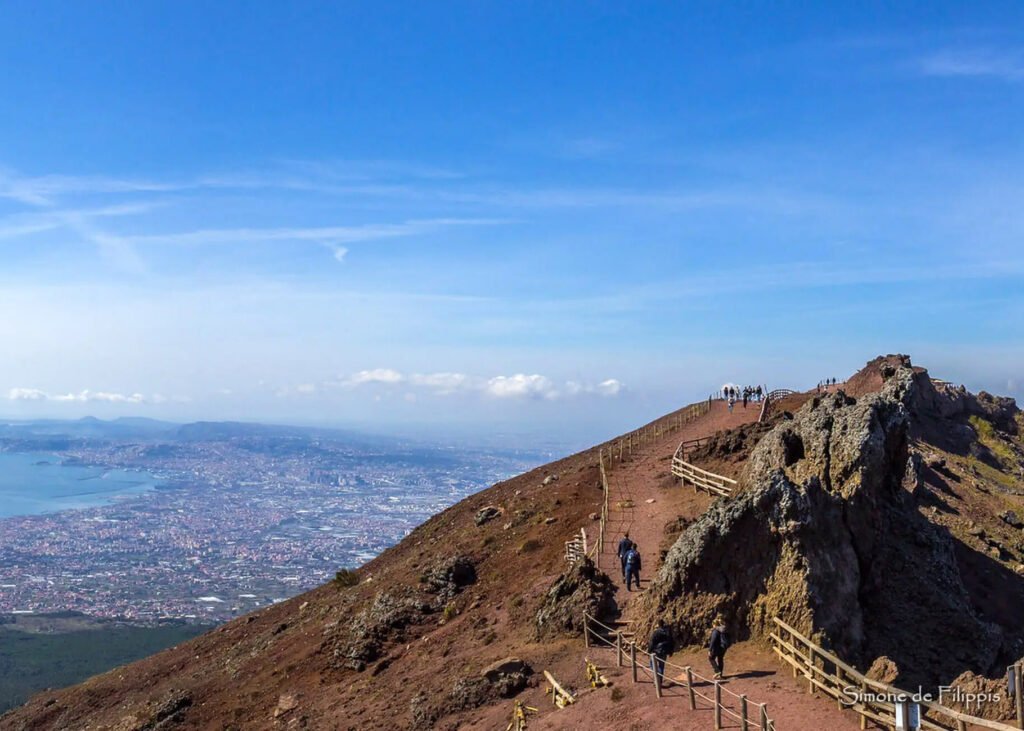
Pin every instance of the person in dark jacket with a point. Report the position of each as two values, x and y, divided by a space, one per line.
717 646
624 545
661 645
633 568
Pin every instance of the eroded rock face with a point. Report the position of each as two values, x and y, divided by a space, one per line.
824 535
583 588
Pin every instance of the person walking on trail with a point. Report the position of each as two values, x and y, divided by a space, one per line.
661 645
624 545
717 646
633 568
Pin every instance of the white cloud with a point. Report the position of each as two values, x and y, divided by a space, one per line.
85 396
376 375
521 385
976 63
610 387
26 394
442 383
339 253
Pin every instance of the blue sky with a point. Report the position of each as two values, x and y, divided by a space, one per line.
560 216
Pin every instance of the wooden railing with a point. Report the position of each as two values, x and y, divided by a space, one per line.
576 548
617 450
770 398
872 699
622 448
723 701
700 479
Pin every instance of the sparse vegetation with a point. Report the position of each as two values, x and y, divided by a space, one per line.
346 578
990 438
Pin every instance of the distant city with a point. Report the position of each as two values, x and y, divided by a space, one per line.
242 515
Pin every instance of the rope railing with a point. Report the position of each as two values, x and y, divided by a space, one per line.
874 700
750 714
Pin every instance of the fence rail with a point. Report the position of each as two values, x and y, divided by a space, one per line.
723 701
872 699
618 450
700 479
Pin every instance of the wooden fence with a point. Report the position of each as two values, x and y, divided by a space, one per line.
621 449
770 398
617 450
872 699
723 701
576 548
700 479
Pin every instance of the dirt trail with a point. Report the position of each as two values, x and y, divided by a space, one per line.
647 476
750 669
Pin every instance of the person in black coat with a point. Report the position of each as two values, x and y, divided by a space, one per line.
624 545
661 645
717 646
633 568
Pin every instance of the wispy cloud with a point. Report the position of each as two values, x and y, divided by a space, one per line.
515 386
85 396
333 235
1001 65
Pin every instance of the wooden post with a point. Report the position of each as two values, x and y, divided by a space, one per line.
810 671
618 648
657 676
718 704
632 658
839 687
1018 692
764 718
586 631
961 726
689 686
863 693
743 713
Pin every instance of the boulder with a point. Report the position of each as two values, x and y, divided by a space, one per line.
822 534
507 666
582 588
487 514
1010 518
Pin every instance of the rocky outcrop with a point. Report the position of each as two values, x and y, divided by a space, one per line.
824 534
583 588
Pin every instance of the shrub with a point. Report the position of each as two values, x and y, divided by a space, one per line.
346 578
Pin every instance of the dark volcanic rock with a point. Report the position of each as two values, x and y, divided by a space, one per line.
583 588
823 535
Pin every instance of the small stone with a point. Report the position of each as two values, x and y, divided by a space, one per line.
549 521
649 500
285 704
595 516
549 479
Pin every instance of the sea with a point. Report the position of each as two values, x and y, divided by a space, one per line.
32 483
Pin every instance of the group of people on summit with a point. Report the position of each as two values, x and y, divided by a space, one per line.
732 394
661 643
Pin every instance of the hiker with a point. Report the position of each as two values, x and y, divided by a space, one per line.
746 395
624 545
632 568
661 645
717 646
